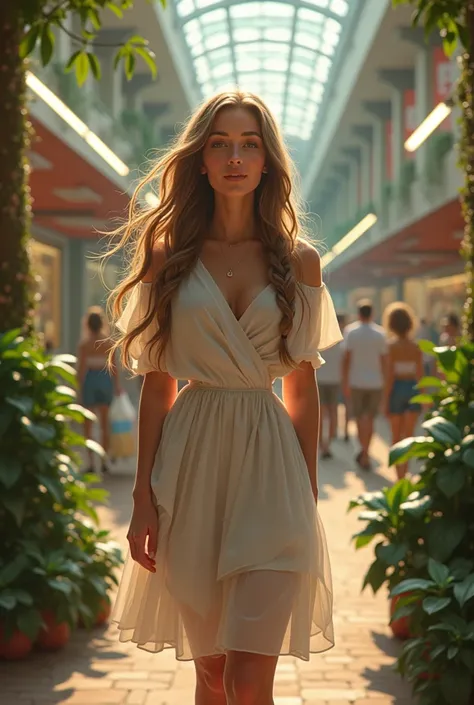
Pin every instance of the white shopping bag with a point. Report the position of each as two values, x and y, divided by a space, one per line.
122 427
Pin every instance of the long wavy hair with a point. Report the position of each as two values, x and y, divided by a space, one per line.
182 216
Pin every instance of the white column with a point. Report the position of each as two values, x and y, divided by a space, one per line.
398 150
423 100
365 173
378 161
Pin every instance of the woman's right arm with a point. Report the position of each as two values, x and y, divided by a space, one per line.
159 392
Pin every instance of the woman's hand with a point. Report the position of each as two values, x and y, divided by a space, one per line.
143 533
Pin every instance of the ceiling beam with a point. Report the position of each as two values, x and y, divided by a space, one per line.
401 79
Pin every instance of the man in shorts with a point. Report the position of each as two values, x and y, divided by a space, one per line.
363 375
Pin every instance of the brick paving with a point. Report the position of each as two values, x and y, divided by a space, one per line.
95 669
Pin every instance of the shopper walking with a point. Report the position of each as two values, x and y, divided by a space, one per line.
329 378
404 370
363 374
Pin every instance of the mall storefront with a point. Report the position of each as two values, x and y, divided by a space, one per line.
69 279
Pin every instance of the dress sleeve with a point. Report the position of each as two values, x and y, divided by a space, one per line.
143 358
315 326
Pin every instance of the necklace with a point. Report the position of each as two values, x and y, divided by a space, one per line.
230 271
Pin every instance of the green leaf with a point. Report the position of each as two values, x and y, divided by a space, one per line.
7 601
115 9
442 430
28 42
67 392
435 604
447 357
95 65
10 572
443 536
23 404
464 591
414 447
95 447
453 651
65 357
375 576
10 471
94 18
438 572
426 346
468 457
64 370
81 67
417 507
392 553
129 66
451 479
429 382
399 493
421 399
149 58
41 432
60 585
47 44
30 622
410 585
16 507
54 487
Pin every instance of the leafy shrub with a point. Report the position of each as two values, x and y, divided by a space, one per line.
53 555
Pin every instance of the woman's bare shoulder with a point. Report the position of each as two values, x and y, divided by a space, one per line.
309 261
158 259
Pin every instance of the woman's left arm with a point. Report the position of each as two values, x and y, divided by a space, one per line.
300 391
301 398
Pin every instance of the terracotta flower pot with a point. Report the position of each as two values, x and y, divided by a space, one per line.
104 613
16 647
400 627
54 635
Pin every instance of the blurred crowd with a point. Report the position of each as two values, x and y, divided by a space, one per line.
376 370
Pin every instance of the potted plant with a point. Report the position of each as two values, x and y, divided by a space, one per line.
395 515
47 549
439 659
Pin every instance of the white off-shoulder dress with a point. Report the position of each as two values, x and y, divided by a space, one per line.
242 561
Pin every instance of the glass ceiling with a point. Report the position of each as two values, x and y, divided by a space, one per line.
282 50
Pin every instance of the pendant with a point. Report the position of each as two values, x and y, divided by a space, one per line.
230 273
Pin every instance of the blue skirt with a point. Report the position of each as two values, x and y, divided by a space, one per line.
402 391
97 389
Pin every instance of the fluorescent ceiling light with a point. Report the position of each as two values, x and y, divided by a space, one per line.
152 199
357 231
429 125
66 114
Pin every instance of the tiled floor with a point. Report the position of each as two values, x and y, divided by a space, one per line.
96 669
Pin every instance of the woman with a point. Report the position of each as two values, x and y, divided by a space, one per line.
230 565
97 382
404 370
329 379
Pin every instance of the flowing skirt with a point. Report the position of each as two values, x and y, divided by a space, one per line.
242 562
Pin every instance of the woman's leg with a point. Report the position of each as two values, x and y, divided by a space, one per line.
103 414
210 680
408 425
396 421
248 678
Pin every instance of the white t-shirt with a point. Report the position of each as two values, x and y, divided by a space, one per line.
331 371
366 342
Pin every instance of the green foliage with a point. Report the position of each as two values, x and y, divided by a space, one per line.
41 18
439 659
53 555
427 548
446 16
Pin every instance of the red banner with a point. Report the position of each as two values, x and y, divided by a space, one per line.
444 78
409 117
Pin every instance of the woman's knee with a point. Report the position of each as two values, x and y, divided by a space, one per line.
248 678
210 672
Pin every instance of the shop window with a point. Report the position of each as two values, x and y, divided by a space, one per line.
46 266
